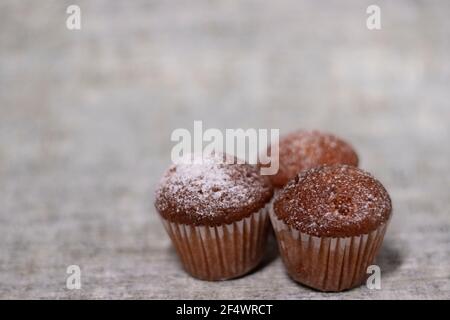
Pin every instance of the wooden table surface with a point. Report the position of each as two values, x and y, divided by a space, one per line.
86 118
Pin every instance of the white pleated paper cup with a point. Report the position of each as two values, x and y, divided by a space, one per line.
221 252
327 263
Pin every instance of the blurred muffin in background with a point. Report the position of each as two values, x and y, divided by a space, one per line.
302 150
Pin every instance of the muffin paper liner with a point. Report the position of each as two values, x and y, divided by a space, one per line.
327 263
221 252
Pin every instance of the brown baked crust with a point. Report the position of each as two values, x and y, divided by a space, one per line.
212 193
333 201
302 150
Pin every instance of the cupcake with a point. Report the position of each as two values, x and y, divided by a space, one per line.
302 150
330 223
216 215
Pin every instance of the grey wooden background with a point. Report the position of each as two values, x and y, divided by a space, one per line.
86 117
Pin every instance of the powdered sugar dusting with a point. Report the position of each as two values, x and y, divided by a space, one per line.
337 200
211 188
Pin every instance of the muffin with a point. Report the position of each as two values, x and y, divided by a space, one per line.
330 223
302 150
216 215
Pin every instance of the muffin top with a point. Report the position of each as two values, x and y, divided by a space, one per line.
333 201
212 192
301 150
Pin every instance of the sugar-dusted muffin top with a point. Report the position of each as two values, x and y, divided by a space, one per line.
301 150
212 192
333 201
